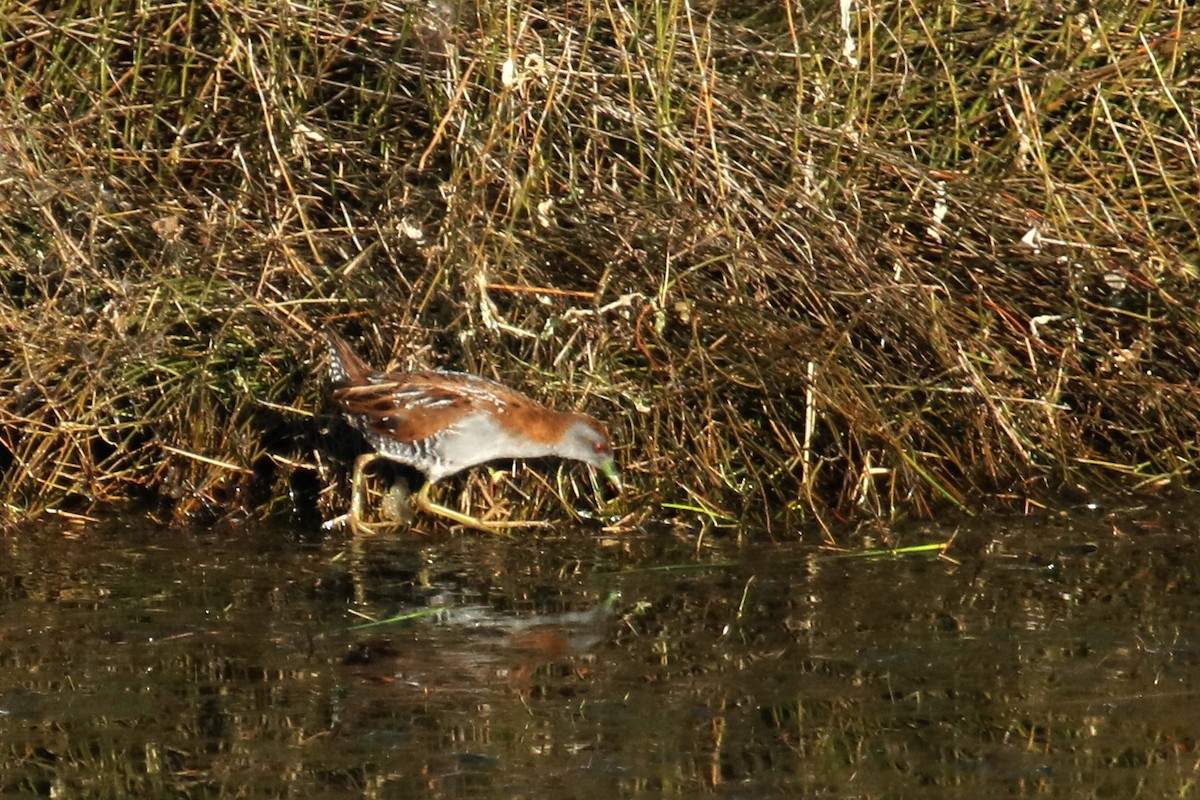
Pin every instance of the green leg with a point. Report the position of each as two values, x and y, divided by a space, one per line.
422 502
354 518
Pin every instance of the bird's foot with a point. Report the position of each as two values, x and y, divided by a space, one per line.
357 526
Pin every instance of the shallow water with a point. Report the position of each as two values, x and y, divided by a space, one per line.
1055 656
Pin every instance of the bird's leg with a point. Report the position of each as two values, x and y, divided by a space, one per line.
421 501
353 518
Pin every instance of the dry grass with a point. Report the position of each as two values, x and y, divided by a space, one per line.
954 267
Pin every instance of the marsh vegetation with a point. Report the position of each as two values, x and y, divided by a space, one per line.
808 267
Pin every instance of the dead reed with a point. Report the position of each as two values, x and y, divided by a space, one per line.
807 267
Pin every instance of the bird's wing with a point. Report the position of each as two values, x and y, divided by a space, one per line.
413 406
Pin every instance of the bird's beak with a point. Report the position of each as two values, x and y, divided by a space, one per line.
609 468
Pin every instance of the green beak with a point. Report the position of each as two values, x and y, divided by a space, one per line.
609 468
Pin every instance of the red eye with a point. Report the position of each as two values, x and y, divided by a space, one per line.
600 447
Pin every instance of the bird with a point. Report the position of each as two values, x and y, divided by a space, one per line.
441 422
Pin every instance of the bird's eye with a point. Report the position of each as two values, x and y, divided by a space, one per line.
600 447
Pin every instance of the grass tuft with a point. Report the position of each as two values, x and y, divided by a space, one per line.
806 266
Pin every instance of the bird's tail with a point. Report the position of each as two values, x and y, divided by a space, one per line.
344 364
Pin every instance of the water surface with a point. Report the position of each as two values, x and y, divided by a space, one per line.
1054 656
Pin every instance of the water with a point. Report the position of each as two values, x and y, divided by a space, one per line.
1054 656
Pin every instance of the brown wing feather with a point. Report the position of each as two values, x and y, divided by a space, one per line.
347 368
415 405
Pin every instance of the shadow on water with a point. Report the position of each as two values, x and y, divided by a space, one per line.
1057 657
